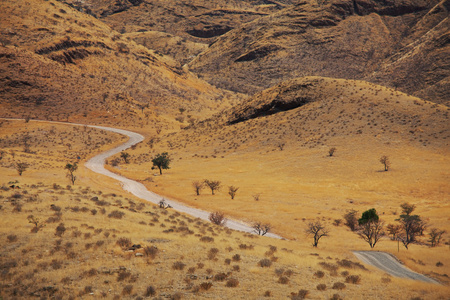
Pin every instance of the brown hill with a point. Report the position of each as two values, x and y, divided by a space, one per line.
396 44
58 62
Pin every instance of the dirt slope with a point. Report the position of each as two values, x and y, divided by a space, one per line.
396 44
58 62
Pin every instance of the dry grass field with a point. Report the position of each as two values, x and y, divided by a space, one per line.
79 241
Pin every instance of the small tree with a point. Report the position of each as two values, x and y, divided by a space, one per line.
317 230
198 186
71 168
350 219
435 236
385 161
161 161
393 230
21 167
232 191
217 218
36 222
261 229
214 185
331 151
125 157
412 225
281 145
370 227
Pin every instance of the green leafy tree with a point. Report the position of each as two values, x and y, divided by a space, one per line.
71 168
161 161
370 227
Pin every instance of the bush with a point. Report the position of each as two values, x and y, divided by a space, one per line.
336 297
150 291
220 277
232 282
267 294
319 274
127 289
355 279
151 251
283 280
124 243
123 275
236 257
338 286
206 239
60 230
265 263
116 214
321 287
206 286
178 265
12 238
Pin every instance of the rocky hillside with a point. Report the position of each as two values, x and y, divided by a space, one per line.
58 62
401 44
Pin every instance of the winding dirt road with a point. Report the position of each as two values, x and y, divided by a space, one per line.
390 265
96 164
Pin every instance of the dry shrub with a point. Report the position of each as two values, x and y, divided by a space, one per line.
212 253
151 251
319 274
355 279
60 230
150 291
321 287
200 265
206 286
124 243
220 277
236 268
127 289
283 280
385 280
56 264
227 261
302 294
344 273
336 297
338 286
265 263
267 294
246 247
123 275
178 265
232 282
236 257
176 296
206 239
11 238
116 214
350 264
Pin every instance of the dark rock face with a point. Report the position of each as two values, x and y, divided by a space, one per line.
209 31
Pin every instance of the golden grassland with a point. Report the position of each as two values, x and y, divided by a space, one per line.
301 182
186 259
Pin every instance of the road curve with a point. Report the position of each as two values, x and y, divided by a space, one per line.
96 164
390 265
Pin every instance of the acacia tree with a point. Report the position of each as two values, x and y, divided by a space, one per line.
198 186
412 225
385 161
261 229
161 161
317 230
232 191
214 185
125 157
370 227
218 218
21 167
71 168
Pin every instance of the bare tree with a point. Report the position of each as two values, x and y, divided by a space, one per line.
351 220
331 151
21 167
218 218
232 191
261 229
36 222
71 168
214 185
370 227
198 186
385 161
281 145
256 196
435 236
317 230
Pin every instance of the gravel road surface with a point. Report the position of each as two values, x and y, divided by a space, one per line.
390 265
